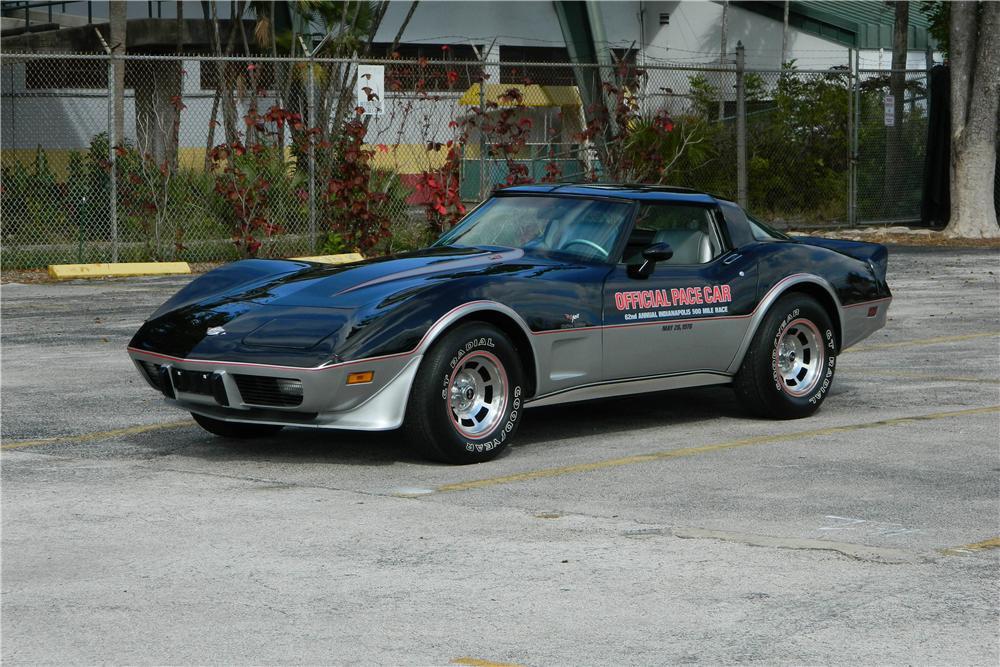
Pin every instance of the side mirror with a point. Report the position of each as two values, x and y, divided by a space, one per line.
657 252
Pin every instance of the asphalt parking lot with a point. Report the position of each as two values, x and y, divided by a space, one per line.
659 529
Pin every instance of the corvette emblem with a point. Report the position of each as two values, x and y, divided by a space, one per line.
215 331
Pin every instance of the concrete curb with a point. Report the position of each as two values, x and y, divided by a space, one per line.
120 270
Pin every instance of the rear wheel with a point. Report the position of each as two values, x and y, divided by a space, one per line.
235 429
466 400
788 369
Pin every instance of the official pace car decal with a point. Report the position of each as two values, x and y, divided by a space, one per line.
655 304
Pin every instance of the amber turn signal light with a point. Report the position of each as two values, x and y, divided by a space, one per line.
360 378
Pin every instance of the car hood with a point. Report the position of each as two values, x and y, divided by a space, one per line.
298 313
352 285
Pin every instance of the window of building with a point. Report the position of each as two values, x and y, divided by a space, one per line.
540 74
55 74
544 73
262 73
421 68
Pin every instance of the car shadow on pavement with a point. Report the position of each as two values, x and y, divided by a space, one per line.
627 413
540 426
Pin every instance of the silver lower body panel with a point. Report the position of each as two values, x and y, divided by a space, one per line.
857 323
626 387
327 400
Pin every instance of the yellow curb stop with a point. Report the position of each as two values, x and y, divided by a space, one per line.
119 270
333 259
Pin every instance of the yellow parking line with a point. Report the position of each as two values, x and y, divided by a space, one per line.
98 435
478 662
868 370
922 341
691 451
992 543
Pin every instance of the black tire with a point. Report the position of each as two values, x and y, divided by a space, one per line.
455 418
788 369
235 429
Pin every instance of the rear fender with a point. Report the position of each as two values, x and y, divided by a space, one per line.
875 254
780 289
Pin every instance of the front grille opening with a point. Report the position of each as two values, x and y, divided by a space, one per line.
264 390
203 383
152 372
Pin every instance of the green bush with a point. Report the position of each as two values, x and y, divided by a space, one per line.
797 146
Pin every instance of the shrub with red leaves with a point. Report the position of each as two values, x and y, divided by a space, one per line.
440 189
349 205
246 175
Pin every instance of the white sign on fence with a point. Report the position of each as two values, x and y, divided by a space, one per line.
371 89
890 111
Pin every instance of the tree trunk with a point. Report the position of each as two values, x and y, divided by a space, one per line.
895 153
117 14
176 125
179 27
157 115
975 97
224 79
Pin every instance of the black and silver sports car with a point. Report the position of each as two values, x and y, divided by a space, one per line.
543 294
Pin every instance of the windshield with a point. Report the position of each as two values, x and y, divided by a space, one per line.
586 229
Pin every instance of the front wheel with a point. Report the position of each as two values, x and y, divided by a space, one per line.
788 369
235 429
467 398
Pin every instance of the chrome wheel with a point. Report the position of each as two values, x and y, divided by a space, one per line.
477 394
800 357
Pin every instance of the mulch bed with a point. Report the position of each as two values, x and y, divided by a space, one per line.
899 236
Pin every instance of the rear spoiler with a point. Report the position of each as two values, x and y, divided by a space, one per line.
873 253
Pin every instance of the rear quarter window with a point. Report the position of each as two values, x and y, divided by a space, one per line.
762 232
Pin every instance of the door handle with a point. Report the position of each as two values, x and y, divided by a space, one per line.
731 259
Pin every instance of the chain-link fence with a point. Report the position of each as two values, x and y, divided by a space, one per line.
211 159
891 111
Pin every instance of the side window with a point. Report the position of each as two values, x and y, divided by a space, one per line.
689 230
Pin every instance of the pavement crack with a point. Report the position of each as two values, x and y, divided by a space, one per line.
266 483
861 552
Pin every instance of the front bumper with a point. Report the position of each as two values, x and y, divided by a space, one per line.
285 395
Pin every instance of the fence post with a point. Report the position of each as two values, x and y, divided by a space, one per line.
852 216
312 155
850 138
482 134
741 129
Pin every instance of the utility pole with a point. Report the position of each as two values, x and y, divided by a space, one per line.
722 58
112 161
784 38
117 16
895 153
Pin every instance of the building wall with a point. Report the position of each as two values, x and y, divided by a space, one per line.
65 120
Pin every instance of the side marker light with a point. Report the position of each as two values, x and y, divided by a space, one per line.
363 377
